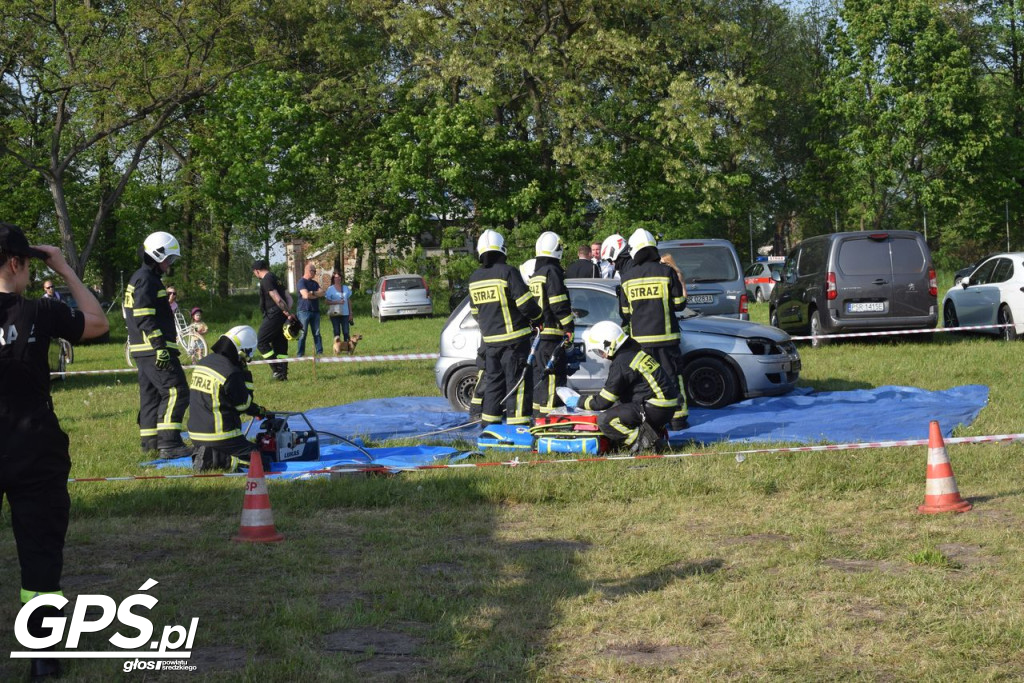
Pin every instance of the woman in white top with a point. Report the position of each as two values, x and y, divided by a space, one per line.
338 308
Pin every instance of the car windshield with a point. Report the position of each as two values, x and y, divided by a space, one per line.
704 263
404 283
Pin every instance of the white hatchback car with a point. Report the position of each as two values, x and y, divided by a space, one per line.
992 295
396 296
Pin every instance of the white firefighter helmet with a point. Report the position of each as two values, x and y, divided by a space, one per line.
612 247
603 339
244 339
490 240
640 239
161 246
549 244
527 269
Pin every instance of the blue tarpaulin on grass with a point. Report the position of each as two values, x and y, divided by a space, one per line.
802 416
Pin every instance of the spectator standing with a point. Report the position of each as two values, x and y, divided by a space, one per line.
275 304
638 398
506 311
309 310
584 266
221 392
197 321
34 457
50 292
650 297
339 307
172 299
153 344
557 323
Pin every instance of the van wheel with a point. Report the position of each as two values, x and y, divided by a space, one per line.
710 383
1006 318
773 318
816 330
949 318
461 387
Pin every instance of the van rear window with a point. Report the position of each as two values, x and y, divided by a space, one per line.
705 263
863 257
907 256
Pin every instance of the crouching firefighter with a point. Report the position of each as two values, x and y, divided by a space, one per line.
638 398
221 391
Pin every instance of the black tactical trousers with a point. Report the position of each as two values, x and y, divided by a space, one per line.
163 400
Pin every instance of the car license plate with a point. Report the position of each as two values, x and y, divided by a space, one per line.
866 307
406 311
700 299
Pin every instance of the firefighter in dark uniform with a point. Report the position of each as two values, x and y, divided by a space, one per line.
276 305
649 298
548 287
34 456
153 343
615 250
222 391
506 312
638 398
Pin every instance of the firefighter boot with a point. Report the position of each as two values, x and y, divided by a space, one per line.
43 668
646 438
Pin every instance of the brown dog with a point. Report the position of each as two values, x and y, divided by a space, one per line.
349 346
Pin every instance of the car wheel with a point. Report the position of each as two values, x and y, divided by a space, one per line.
1004 317
710 383
816 331
773 318
461 387
949 318
759 296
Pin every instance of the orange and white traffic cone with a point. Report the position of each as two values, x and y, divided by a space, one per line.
257 518
940 491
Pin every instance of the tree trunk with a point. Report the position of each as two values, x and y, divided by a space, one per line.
223 260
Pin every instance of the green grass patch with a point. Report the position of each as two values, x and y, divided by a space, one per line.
808 566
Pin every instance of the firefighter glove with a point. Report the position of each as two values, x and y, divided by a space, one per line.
163 359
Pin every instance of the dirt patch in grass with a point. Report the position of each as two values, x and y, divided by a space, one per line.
864 566
754 539
445 569
218 658
342 600
559 545
966 555
371 640
648 654
392 668
867 611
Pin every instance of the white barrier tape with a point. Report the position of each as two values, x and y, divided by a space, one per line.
340 359
848 335
516 462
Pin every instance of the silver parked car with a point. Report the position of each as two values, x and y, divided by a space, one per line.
400 295
727 360
714 277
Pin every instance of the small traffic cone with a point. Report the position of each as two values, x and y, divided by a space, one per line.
257 518
940 491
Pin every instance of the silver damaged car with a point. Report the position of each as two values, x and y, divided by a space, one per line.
727 360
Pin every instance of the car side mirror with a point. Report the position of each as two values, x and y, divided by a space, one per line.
776 277
965 281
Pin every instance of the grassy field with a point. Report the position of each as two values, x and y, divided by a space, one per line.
812 566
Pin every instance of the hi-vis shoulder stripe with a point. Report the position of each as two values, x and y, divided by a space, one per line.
516 462
340 359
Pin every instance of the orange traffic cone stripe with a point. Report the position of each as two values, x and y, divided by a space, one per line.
257 518
940 491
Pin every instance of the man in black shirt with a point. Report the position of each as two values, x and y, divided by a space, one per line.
275 304
34 457
153 343
583 266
